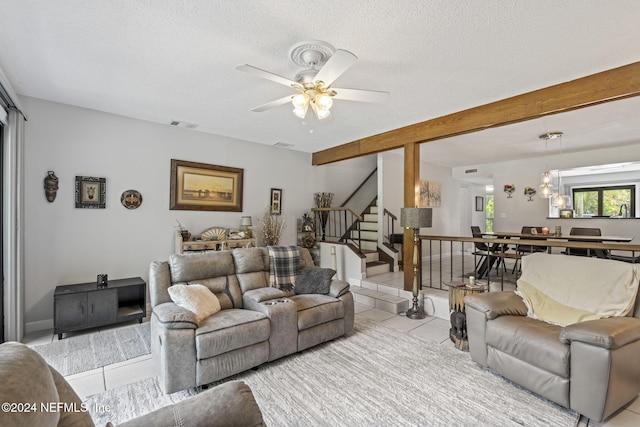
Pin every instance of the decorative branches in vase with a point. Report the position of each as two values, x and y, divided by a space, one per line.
323 200
272 228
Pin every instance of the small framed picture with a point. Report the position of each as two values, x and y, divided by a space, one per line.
566 213
91 192
479 203
276 201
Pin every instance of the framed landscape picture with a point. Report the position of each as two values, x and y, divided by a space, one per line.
90 192
204 187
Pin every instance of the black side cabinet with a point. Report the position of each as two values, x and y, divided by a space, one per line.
84 305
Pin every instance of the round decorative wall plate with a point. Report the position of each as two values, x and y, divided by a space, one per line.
131 199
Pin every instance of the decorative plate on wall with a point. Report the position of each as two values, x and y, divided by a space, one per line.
131 199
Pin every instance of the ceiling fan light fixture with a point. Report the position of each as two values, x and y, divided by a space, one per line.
322 114
323 101
300 105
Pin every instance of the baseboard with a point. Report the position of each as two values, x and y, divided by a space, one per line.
40 325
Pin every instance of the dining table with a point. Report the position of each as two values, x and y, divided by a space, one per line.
553 236
490 261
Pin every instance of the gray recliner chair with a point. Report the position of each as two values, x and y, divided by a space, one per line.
590 366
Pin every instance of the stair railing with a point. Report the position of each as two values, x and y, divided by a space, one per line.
336 224
389 221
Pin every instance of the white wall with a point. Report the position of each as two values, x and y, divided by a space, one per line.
66 245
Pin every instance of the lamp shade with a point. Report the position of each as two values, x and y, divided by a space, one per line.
415 217
246 221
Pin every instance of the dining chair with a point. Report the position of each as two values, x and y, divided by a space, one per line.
483 249
528 249
584 231
524 249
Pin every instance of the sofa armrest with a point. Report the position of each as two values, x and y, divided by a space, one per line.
172 316
494 304
262 294
229 404
610 333
338 288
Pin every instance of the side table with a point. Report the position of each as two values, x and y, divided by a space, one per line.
458 331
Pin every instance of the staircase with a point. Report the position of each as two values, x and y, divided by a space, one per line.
369 241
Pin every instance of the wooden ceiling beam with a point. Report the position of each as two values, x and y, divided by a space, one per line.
611 85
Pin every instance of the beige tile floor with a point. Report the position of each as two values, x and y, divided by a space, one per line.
431 328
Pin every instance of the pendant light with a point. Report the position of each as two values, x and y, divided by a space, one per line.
561 201
546 187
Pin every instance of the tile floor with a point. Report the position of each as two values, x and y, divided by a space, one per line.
431 328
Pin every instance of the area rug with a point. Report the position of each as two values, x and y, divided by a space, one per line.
376 376
90 351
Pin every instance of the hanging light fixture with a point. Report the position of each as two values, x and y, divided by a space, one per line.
546 188
315 95
561 201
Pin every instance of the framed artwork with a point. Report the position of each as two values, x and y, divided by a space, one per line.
429 194
479 203
566 213
91 192
203 187
276 201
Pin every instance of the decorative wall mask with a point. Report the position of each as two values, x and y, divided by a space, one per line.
51 186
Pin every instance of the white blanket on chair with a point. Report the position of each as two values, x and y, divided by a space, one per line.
563 289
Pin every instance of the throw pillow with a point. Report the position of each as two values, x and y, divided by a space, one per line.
195 298
314 280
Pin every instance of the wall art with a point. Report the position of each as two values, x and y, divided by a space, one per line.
276 201
91 192
131 199
204 187
429 194
479 203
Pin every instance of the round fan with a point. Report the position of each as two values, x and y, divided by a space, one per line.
324 65
214 233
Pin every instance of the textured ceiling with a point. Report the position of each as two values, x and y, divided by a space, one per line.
164 60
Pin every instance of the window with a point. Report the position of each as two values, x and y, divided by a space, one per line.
488 208
605 201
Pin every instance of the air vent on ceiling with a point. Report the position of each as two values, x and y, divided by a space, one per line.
182 124
471 170
283 145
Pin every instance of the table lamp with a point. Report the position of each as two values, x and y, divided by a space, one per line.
415 218
245 225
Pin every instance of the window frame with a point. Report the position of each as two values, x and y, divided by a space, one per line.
600 191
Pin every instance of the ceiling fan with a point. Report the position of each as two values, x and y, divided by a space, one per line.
324 65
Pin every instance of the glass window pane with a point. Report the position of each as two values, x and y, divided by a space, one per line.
612 201
585 203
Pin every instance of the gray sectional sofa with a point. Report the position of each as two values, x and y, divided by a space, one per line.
257 323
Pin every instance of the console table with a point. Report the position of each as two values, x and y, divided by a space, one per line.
205 243
84 305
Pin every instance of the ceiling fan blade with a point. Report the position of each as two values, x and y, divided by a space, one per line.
339 62
360 95
265 75
272 104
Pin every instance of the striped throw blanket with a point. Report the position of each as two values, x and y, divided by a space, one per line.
284 262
